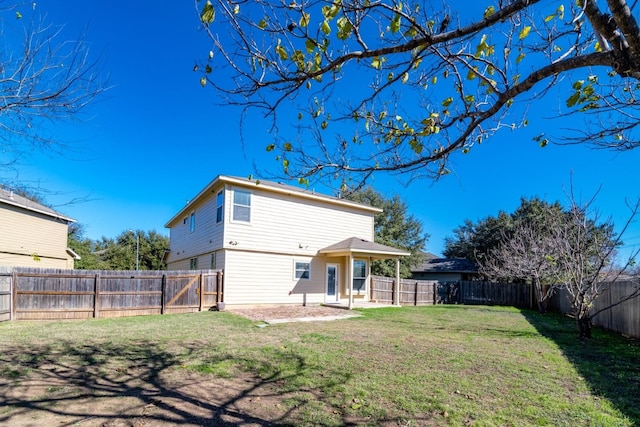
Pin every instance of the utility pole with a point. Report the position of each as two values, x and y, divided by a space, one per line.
137 249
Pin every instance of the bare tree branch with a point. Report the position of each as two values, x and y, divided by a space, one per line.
410 85
43 78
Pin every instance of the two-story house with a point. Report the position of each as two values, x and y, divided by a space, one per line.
32 235
278 244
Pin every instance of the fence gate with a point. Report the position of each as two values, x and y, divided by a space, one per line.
187 292
6 281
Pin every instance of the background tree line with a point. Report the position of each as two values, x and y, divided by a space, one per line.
551 247
144 248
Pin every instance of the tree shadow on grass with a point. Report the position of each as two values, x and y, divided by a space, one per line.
72 383
609 362
143 384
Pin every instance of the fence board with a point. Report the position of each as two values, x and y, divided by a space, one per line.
623 317
412 292
382 289
5 296
426 292
72 294
491 293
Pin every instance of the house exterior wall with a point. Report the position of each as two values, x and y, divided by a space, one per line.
268 278
206 237
258 256
279 224
30 239
287 224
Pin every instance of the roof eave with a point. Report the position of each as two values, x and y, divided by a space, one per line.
55 215
373 253
234 181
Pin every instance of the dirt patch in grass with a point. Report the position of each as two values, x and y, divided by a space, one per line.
292 312
123 399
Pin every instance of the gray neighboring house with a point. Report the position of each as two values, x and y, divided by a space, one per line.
444 269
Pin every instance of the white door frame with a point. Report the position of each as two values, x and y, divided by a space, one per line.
327 297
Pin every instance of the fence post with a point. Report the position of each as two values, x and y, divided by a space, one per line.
217 287
415 301
201 291
10 278
14 302
531 291
163 293
393 292
96 297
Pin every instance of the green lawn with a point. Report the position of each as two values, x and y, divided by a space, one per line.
422 366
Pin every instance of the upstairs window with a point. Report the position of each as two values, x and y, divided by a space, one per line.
241 206
220 206
192 222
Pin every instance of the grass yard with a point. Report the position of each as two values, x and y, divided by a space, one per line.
413 366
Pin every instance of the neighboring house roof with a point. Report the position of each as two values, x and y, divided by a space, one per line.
8 197
354 245
432 264
274 187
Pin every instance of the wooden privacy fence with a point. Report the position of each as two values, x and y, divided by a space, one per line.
491 293
426 292
412 292
623 317
78 294
5 295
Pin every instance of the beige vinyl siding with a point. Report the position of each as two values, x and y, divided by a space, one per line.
266 278
25 233
30 261
206 237
204 262
286 224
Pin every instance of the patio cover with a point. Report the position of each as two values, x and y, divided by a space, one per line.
357 247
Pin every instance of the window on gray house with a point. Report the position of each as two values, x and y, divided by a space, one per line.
242 206
193 264
220 206
192 222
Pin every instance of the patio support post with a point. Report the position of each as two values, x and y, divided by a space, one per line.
350 281
397 287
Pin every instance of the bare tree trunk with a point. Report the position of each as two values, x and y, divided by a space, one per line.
542 295
542 306
583 317
584 326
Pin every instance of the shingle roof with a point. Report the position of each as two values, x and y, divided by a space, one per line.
8 197
358 245
432 264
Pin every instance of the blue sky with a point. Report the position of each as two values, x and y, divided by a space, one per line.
157 138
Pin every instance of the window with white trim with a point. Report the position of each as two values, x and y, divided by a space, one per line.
192 222
302 270
214 261
193 264
359 275
220 206
242 206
